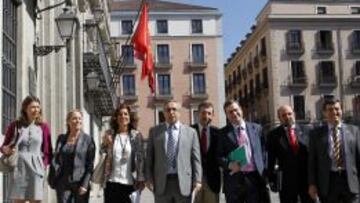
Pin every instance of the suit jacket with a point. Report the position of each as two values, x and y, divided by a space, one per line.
293 166
188 159
210 166
137 156
83 158
228 142
320 161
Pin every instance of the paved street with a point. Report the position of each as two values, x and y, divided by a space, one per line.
147 197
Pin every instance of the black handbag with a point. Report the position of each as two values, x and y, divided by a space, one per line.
54 168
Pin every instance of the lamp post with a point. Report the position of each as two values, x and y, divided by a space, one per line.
92 82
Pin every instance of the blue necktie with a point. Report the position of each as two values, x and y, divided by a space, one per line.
171 149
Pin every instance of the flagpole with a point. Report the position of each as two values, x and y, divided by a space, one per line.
121 63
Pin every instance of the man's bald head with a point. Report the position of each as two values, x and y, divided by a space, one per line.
286 114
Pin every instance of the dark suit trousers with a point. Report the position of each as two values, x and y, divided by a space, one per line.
291 196
117 192
249 188
339 191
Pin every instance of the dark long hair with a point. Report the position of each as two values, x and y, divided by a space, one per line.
23 119
114 118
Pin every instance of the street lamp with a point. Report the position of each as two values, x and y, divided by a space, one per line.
92 81
66 23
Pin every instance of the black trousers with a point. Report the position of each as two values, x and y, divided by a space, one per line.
71 195
339 191
291 196
116 192
247 187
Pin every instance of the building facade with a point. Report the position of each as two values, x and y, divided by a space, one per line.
36 61
298 53
187 48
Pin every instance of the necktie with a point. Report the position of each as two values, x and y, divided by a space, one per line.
203 141
337 147
171 149
241 138
292 138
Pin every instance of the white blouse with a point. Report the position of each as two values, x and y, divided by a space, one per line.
121 170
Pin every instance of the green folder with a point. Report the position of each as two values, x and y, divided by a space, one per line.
239 155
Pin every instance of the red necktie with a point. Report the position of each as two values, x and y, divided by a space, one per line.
292 137
203 141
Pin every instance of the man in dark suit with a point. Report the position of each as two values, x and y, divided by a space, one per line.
287 147
173 160
334 158
208 138
242 182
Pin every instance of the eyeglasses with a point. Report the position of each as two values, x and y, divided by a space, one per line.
171 109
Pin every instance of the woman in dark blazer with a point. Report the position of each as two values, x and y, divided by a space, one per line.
74 161
124 163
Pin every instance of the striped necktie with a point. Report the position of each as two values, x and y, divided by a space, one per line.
337 150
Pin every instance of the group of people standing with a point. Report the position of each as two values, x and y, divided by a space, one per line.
181 163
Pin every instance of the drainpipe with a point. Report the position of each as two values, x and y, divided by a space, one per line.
341 68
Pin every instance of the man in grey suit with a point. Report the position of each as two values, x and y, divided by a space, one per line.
173 163
334 158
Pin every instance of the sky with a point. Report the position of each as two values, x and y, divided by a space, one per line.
238 17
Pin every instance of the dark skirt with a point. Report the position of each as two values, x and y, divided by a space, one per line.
117 192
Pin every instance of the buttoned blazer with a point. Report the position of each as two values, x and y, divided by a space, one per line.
292 165
188 159
320 161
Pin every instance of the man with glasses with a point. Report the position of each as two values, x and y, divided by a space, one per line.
173 163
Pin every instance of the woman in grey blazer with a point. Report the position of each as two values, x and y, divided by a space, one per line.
124 163
74 161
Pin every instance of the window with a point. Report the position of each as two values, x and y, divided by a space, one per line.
199 85
357 68
321 10
299 107
263 47
355 10
265 78
356 106
298 72
356 40
163 56
162 26
196 26
325 40
164 85
294 40
128 85
234 77
195 116
251 85
198 53
159 115
9 47
257 83
126 27
327 72
127 54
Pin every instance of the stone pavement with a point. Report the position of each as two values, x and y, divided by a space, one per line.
147 197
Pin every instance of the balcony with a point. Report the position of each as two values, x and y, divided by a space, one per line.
355 49
129 97
196 64
163 96
163 66
355 81
199 96
328 81
325 48
295 48
298 82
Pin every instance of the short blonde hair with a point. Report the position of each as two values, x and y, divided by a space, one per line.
69 115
